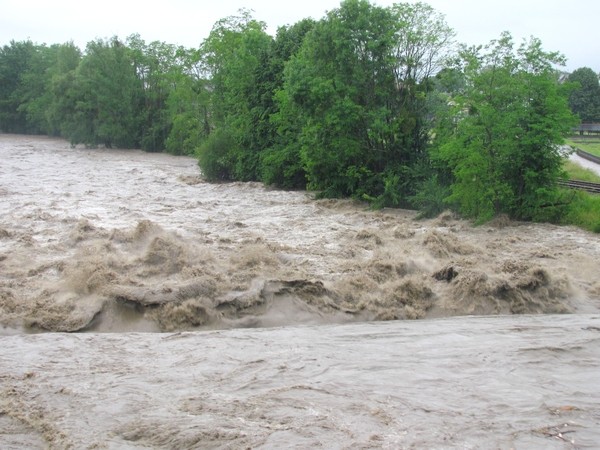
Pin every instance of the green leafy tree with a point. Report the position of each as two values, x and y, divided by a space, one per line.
157 65
16 60
359 86
335 82
585 98
501 143
33 92
41 90
61 90
108 95
280 159
233 54
188 105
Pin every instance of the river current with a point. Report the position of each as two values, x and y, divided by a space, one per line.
141 307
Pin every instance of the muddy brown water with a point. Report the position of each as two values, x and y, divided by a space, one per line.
281 316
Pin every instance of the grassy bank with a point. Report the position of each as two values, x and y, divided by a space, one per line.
590 145
583 209
577 172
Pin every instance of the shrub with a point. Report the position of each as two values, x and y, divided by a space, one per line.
213 155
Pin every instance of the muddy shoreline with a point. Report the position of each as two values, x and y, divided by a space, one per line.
113 240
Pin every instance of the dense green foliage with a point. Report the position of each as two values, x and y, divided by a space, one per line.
356 93
17 69
365 102
585 98
234 55
503 151
583 210
115 93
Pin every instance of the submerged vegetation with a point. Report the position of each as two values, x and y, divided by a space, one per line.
376 103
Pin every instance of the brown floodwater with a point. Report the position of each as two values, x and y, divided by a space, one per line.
283 319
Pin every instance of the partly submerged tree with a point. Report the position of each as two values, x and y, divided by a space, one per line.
15 63
36 86
33 94
502 144
108 94
356 91
280 159
62 91
233 56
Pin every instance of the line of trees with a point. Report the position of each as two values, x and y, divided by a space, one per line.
369 102
126 94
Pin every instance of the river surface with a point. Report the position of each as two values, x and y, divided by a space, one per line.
141 307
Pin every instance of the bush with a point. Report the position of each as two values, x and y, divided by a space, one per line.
430 198
213 156
391 195
282 167
185 135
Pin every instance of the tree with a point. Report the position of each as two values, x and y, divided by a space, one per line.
233 55
15 63
280 159
585 98
157 66
188 104
358 87
108 95
502 144
61 90
37 89
34 97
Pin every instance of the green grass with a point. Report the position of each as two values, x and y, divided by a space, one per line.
576 172
583 211
590 145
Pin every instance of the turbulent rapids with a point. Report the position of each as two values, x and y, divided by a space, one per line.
110 240
283 318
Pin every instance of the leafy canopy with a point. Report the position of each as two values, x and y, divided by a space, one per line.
356 91
585 97
502 144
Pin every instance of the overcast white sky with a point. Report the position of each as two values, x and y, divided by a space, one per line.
568 26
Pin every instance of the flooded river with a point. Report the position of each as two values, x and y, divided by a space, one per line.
283 319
